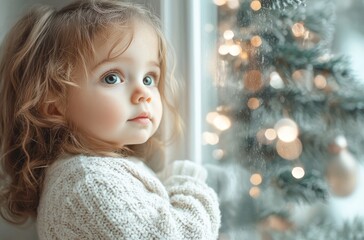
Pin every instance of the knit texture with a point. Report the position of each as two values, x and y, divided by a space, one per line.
114 198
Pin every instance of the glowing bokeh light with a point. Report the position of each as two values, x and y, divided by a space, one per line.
287 130
220 2
320 81
210 138
224 49
235 50
244 55
255 5
233 4
228 34
298 172
253 80
289 150
254 192
253 103
256 179
211 116
276 81
270 134
222 122
256 41
298 29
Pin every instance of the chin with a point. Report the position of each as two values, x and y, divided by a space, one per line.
137 141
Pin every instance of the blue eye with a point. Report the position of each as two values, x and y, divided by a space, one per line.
148 81
112 78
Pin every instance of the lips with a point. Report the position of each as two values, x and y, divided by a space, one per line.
143 118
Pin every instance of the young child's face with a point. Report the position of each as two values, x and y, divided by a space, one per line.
119 102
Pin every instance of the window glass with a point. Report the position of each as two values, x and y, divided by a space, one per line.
283 117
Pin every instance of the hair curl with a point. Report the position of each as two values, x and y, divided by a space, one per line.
38 57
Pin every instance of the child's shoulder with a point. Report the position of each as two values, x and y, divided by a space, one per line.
78 168
87 164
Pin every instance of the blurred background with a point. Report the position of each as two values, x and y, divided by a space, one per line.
274 108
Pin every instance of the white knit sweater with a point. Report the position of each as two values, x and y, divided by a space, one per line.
114 198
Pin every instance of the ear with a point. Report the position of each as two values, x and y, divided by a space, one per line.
54 109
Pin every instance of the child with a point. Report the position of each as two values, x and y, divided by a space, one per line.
81 96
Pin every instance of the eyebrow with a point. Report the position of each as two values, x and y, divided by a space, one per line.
110 60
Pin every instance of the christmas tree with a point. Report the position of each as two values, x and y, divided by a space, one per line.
289 122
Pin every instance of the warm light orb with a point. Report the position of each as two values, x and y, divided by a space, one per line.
341 141
228 35
270 134
235 50
256 41
233 4
255 5
289 150
276 81
253 80
221 122
253 103
254 192
224 49
210 138
256 179
220 2
262 138
287 130
299 75
298 172
244 55
298 29
320 81
211 116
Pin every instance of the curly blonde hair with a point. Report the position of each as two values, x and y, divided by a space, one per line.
38 57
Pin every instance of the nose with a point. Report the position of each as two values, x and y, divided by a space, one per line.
141 94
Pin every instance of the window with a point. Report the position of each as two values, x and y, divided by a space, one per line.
273 113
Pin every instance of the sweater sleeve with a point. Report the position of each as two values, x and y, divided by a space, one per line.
126 204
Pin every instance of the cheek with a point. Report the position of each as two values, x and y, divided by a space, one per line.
96 111
107 113
158 107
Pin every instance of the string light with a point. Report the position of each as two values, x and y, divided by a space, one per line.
270 134
298 172
211 116
287 130
220 2
235 50
253 103
233 4
255 5
224 49
298 30
228 35
254 192
289 150
253 80
276 81
256 41
256 179
262 138
320 81
210 138
221 122
298 75
341 141
244 55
